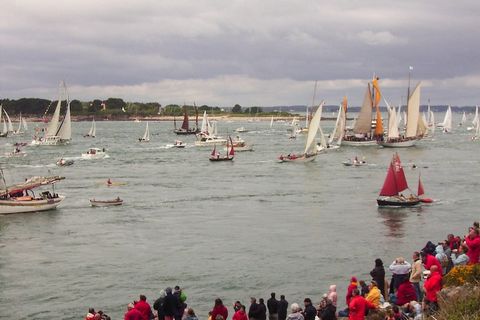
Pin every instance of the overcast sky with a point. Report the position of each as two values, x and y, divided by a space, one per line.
251 52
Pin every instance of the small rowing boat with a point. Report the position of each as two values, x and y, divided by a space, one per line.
106 203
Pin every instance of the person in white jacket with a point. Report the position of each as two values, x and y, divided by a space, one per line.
400 269
460 258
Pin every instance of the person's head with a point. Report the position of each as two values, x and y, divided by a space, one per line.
253 300
353 279
423 256
295 307
332 288
400 260
272 295
219 317
355 292
130 306
168 290
395 309
177 288
433 269
361 283
91 310
282 297
307 301
476 224
373 283
378 262
416 255
143 298
473 232
261 301
218 302
450 237
190 312
242 307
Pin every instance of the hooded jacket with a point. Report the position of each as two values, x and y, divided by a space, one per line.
353 285
357 307
433 285
406 293
431 261
473 249
373 296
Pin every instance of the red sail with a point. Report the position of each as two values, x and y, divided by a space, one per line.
421 192
389 186
400 179
185 119
232 152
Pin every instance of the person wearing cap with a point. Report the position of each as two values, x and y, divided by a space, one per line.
309 312
272 305
400 269
374 294
132 313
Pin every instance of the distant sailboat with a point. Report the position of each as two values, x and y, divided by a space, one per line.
21 125
4 132
447 121
9 122
93 130
474 121
335 139
215 156
146 135
271 123
464 119
57 133
310 151
185 129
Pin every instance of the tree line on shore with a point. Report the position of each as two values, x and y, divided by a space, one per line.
118 107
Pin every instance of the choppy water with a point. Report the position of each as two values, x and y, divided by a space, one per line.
232 230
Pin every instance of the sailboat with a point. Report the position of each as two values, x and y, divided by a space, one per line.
477 131
9 122
208 134
146 135
271 123
464 119
215 156
57 133
4 132
335 139
185 129
447 121
415 128
93 130
474 121
21 126
310 152
396 183
430 121
362 131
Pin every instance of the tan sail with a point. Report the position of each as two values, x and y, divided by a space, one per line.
363 124
413 112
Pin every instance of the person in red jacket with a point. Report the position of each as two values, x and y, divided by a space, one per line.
405 293
358 306
144 308
132 313
219 309
428 261
353 285
240 314
472 240
432 286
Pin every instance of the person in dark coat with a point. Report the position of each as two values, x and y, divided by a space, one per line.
158 306
262 314
272 305
328 313
170 304
378 274
282 308
309 312
254 310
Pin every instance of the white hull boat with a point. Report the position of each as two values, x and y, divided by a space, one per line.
28 204
398 144
360 143
210 141
106 203
94 153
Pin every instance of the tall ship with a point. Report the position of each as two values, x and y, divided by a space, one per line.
185 128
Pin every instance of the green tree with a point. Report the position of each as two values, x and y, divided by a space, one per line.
95 105
115 103
76 106
237 109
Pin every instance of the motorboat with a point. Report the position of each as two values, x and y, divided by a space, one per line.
64 162
95 153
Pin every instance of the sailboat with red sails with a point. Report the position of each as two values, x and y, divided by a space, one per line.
215 155
185 129
394 186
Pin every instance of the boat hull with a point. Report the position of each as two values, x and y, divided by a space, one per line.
221 159
209 143
107 203
363 143
398 144
23 206
397 202
302 159
186 132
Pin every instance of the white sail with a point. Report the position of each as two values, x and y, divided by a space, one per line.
53 125
20 122
312 129
431 122
9 122
363 124
477 130
24 122
5 128
475 118
413 113
146 135
392 124
447 121
464 119
271 122
339 130
93 129
398 115
65 130
204 123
